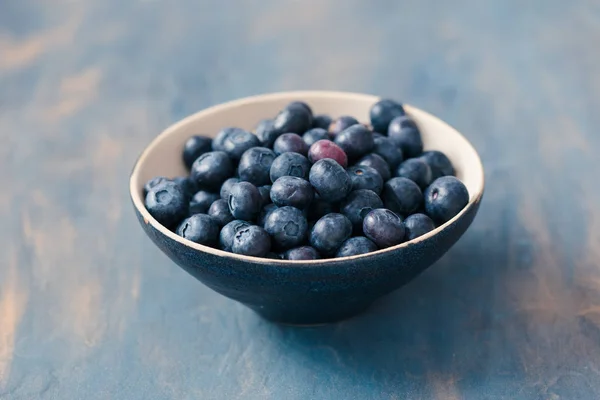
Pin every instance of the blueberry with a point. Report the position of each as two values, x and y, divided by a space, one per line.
386 148
153 182
342 123
322 121
300 104
211 169
383 112
330 232
255 165
287 227
330 180
402 196
293 119
290 142
238 141
404 132
376 161
251 241
416 170
264 213
417 225
219 210
228 232
194 147
244 201
292 191
356 141
438 162
265 194
355 246
384 228
290 164
201 201
266 133
358 204
187 184
226 187
302 253
365 177
319 208
444 198
327 149
314 135
218 143
378 135
167 203
199 228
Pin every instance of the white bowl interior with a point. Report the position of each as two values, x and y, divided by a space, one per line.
163 156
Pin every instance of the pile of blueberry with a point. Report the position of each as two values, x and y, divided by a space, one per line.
304 186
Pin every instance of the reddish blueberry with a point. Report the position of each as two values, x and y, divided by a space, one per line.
327 149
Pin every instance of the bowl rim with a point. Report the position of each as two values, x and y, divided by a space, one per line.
138 203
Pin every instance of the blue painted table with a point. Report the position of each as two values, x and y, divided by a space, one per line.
89 309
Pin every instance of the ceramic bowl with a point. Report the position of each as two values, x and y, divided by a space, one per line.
303 292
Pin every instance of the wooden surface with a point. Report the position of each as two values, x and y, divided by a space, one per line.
90 309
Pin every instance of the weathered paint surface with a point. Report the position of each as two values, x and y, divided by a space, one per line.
89 308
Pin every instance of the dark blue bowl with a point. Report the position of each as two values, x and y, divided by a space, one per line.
303 292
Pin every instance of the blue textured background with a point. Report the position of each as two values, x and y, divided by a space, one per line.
90 309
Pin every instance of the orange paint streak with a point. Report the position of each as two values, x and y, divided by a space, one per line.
13 300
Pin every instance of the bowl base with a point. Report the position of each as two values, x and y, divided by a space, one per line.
302 318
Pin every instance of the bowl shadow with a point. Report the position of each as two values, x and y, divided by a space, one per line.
439 326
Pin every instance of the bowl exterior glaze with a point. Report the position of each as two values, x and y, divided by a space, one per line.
312 293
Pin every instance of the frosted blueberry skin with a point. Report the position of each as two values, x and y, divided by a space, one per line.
384 228
342 123
322 121
287 226
292 191
355 246
416 170
365 177
356 141
255 165
383 112
302 253
402 196
211 169
297 119
290 142
314 135
404 132
376 161
244 201
386 149
439 163
167 203
194 147
329 232
227 233
358 204
417 225
219 210
330 180
201 201
289 164
199 228
251 240
445 198
266 133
